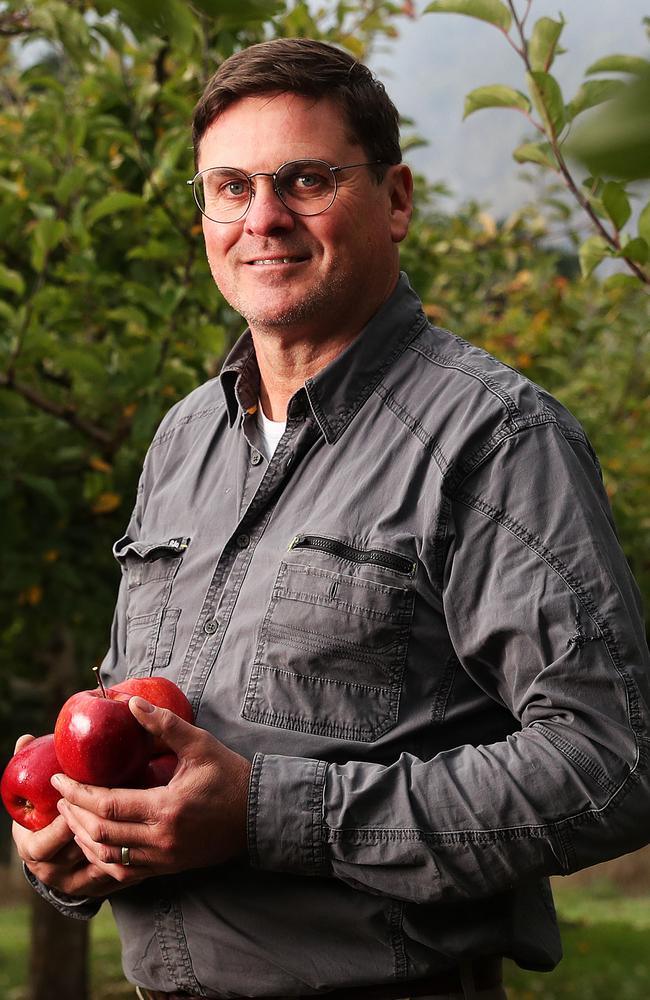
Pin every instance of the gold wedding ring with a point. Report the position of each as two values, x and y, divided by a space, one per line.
126 857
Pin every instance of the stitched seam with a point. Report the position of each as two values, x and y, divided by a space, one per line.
318 840
183 421
356 581
578 757
283 720
443 691
253 801
414 426
310 678
397 939
336 427
535 544
467 466
338 604
490 383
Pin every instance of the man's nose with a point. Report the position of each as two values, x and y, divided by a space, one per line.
267 213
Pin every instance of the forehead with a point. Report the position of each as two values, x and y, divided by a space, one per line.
268 129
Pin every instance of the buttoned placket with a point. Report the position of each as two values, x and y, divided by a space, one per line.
259 487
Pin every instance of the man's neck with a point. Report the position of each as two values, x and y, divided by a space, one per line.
285 367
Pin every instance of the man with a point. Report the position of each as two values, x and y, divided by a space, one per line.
413 646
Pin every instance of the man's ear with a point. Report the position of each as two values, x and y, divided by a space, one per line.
400 190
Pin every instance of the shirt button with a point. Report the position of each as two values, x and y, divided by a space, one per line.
211 626
243 541
256 458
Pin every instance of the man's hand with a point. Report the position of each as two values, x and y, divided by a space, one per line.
53 857
198 820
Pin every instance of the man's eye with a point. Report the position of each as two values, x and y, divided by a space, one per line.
304 183
309 180
233 189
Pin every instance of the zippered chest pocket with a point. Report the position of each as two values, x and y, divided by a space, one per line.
150 569
332 646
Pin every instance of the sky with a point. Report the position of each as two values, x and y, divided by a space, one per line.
438 58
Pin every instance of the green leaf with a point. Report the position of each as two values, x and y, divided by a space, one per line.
46 488
591 253
616 140
11 280
636 250
616 203
619 64
592 93
547 98
171 19
543 43
644 223
621 281
46 235
495 96
492 11
117 201
69 183
536 152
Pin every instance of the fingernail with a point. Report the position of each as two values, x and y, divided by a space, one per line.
56 780
141 704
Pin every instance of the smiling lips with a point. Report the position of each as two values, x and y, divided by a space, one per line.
277 260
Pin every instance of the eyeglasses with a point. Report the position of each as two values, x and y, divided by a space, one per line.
305 187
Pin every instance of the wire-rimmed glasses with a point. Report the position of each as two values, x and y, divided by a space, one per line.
305 187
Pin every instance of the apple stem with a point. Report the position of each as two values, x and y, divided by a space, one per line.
100 682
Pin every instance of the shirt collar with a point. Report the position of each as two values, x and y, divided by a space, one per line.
340 389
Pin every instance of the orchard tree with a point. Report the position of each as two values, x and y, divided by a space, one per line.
615 146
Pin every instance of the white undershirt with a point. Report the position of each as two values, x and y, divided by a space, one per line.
270 432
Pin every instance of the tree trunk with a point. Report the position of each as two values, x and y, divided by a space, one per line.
59 954
58 964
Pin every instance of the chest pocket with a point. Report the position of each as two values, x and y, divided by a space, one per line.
150 569
332 646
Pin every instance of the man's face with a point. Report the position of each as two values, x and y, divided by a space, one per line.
306 276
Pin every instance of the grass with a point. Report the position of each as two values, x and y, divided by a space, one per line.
605 937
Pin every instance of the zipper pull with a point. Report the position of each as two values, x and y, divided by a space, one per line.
296 541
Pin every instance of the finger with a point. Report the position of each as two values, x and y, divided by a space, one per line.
88 880
22 741
42 845
131 805
110 859
102 832
175 733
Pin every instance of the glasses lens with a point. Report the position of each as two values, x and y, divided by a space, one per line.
222 193
307 187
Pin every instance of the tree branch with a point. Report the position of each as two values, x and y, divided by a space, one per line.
64 412
15 23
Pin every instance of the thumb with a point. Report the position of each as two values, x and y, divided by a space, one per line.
172 731
22 741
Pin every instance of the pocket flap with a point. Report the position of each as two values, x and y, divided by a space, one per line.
148 551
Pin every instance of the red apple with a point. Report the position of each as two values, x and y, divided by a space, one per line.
28 796
160 770
99 742
162 693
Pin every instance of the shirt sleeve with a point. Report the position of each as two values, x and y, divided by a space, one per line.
70 906
545 617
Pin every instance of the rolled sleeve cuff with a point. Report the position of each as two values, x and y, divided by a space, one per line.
286 831
70 906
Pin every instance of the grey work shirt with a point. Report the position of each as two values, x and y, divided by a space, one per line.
417 621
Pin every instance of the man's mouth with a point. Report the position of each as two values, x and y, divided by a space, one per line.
264 261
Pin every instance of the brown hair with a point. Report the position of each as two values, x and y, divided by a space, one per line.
312 69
